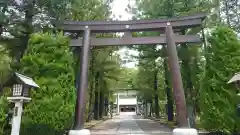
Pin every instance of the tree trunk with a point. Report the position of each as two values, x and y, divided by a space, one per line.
189 84
28 28
4 9
237 11
151 109
227 13
168 93
101 104
196 90
90 109
90 95
1 83
218 11
106 105
1 90
145 109
91 92
96 93
156 95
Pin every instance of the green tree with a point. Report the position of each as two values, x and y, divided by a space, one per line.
219 99
147 77
19 19
228 13
49 61
4 67
4 116
85 11
126 79
5 70
106 71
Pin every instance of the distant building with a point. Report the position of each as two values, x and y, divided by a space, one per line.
126 101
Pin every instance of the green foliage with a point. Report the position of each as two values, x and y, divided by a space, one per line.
4 66
20 19
107 64
127 78
3 111
4 75
171 8
219 99
49 61
90 10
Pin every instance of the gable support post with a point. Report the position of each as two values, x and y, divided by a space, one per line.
176 77
82 86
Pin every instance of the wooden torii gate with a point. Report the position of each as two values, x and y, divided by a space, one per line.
166 26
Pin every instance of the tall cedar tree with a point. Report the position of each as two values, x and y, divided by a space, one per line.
49 61
219 99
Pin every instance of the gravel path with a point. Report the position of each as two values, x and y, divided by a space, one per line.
130 124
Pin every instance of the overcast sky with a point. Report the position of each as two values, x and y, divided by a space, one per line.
118 9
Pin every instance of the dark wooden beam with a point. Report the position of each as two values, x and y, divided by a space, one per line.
133 28
137 25
137 40
131 22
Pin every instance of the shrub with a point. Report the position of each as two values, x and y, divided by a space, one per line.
49 62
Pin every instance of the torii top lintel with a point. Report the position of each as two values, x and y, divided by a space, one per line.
133 25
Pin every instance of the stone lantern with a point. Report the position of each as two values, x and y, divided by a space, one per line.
21 86
236 80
